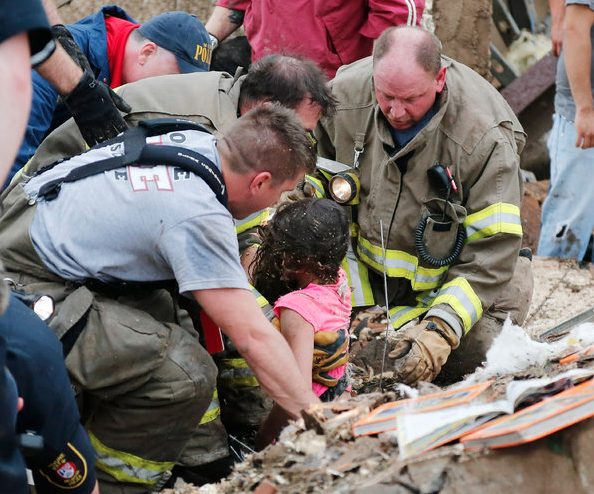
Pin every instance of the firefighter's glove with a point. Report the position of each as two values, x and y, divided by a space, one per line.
64 37
329 353
421 351
94 107
303 190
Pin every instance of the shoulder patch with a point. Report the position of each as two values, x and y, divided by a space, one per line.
68 470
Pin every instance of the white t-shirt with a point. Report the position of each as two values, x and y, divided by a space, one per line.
138 223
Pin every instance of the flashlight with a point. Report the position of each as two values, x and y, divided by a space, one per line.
344 188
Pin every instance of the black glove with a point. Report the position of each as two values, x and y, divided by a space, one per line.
94 107
65 38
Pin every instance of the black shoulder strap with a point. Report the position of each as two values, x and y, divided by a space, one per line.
137 151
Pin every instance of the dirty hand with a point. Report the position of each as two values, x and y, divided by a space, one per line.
94 107
421 350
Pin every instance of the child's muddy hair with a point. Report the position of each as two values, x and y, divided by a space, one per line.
309 235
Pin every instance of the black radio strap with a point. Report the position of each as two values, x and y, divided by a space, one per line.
137 151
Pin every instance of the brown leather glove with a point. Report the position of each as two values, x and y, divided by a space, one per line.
303 190
328 355
421 351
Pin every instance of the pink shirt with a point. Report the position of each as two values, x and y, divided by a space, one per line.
326 308
329 32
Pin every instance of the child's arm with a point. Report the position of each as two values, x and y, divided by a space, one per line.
300 337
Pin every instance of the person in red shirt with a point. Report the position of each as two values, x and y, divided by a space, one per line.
332 33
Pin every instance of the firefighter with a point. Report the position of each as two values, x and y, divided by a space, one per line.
107 230
215 100
434 151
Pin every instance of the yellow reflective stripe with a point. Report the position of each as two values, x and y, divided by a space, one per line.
317 185
252 220
460 296
17 175
242 382
234 363
213 411
235 372
358 275
263 303
126 467
401 314
399 264
354 229
497 218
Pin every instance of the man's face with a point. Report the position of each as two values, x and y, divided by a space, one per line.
308 114
405 92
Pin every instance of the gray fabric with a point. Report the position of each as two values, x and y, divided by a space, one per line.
138 224
564 104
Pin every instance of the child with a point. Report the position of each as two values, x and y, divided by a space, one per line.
297 267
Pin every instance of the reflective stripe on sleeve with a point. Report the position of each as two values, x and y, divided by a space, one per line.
460 296
317 185
263 303
126 467
252 220
235 373
402 314
213 411
497 218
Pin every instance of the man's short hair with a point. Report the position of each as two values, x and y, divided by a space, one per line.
288 80
427 49
269 138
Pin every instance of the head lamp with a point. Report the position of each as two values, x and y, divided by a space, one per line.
344 188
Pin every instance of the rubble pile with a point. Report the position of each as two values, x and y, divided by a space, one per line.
318 453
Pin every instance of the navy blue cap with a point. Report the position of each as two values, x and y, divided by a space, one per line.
184 35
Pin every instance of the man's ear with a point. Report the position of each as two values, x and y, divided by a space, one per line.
260 181
440 79
147 50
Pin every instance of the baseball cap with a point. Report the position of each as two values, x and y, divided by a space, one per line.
184 35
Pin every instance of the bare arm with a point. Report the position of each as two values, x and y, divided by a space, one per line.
265 350
557 8
60 71
223 22
300 337
15 97
578 53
